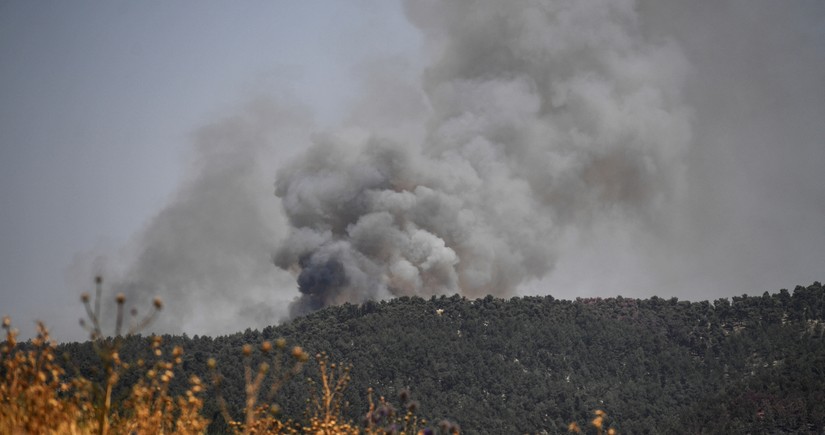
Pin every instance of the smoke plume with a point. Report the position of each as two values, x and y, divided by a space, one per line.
630 145
541 115
208 253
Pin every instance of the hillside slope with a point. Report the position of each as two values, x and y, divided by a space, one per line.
526 365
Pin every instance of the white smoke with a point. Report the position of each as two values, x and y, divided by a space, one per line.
208 253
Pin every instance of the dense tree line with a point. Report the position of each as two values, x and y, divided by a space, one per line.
525 365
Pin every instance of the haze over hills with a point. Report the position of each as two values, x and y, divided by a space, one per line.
516 147
505 148
753 364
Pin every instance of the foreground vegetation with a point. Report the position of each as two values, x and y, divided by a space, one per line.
118 397
527 365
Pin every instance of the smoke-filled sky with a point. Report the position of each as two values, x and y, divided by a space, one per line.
252 161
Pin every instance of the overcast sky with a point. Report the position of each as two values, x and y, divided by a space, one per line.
99 101
103 105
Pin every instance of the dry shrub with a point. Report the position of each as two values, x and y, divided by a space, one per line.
38 397
327 400
260 413
150 408
34 398
599 422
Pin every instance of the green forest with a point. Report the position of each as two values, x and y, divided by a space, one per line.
751 364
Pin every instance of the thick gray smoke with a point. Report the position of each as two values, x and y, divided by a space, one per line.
633 147
208 253
541 115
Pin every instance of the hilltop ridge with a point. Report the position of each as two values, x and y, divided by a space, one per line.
532 364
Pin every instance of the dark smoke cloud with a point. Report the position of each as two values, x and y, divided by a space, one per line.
541 116
641 148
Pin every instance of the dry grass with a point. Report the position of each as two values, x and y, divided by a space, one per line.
260 414
34 398
37 396
598 424
152 410
327 402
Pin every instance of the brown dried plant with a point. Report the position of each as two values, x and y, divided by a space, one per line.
260 413
598 423
153 410
34 397
327 399
383 418
37 396
108 348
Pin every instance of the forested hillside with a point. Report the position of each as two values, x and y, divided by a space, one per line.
526 365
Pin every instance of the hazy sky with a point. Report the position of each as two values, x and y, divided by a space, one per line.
107 108
99 101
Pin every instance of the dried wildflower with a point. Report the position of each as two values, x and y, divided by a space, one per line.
158 303
266 346
246 350
597 422
612 431
574 427
6 322
211 363
298 352
84 297
280 343
120 298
